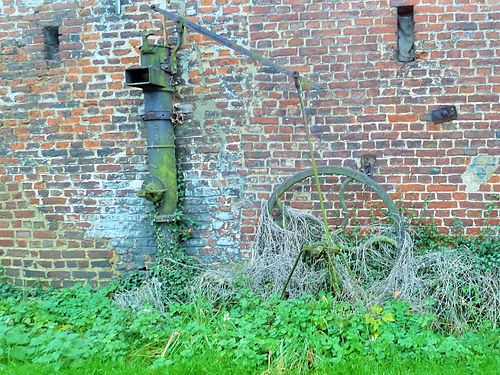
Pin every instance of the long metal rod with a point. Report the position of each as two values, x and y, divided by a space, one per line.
226 42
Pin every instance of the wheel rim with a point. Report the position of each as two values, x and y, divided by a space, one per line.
352 175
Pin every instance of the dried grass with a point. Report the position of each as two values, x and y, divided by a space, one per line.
148 295
448 283
462 294
276 249
218 284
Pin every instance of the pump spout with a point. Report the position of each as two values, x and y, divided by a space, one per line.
154 78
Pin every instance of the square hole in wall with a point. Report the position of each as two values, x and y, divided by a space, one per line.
51 42
406 34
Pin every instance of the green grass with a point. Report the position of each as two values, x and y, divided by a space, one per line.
80 331
418 367
212 365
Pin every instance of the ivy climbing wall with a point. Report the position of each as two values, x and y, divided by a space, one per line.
72 149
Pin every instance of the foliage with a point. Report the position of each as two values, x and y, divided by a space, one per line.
172 267
312 332
72 327
213 364
68 326
485 245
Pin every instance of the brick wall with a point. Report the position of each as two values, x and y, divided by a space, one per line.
72 149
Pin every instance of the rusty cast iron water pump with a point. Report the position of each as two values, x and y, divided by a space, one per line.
154 77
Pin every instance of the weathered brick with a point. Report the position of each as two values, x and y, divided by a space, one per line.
51 254
74 154
34 273
83 275
59 274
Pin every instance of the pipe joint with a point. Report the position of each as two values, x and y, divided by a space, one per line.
152 190
156 115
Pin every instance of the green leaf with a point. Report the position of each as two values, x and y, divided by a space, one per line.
388 317
376 309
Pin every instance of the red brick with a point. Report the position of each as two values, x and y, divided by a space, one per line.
79 125
6 233
398 3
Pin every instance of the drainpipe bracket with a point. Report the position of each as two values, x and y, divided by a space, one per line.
158 115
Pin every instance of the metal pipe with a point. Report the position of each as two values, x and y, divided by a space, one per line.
406 34
154 78
227 43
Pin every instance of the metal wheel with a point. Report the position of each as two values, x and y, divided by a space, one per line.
352 175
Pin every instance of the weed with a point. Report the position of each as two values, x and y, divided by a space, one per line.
172 268
79 327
